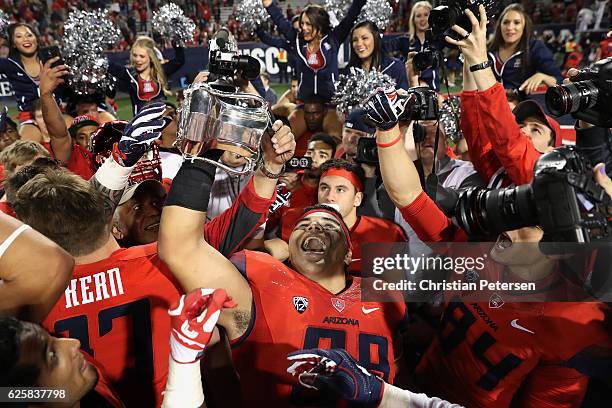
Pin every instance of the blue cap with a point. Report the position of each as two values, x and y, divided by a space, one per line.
355 121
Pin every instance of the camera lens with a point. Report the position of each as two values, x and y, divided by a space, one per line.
439 19
572 97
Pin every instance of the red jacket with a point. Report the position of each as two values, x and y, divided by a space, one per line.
494 138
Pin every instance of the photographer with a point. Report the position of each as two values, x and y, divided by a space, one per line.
494 137
518 367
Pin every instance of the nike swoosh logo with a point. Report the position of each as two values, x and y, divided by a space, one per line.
515 324
368 311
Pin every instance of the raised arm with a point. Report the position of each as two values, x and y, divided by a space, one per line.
512 147
271 40
142 131
50 79
230 229
34 271
343 29
175 63
399 174
284 25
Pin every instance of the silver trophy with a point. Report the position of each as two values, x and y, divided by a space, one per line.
210 119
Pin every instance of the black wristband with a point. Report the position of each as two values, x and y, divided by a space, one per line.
191 185
482 65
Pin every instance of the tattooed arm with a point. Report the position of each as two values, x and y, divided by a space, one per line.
110 180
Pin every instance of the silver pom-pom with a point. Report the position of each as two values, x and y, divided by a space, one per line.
377 11
171 23
251 14
450 112
337 9
4 23
353 89
87 35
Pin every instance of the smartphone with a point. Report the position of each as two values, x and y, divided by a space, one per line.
46 53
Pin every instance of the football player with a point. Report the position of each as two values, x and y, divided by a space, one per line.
280 308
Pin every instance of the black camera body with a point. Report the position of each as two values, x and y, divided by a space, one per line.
587 97
563 199
423 104
451 12
225 63
426 59
367 151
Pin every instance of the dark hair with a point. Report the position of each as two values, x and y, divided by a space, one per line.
378 52
318 16
354 168
325 138
523 45
26 173
65 208
314 100
295 18
13 53
12 332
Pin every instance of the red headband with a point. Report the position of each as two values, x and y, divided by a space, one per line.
349 175
347 234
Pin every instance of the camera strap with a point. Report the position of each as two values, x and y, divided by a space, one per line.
431 184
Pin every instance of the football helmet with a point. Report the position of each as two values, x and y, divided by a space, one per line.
101 146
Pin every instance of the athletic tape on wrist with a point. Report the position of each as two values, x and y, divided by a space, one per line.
112 175
191 186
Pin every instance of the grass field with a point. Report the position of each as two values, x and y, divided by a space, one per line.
125 107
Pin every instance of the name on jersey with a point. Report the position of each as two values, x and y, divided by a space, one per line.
340 320
91 288
484 316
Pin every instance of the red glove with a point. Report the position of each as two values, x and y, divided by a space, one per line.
193 319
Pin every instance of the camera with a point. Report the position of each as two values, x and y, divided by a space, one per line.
225 63
422 104
367 152
562 198
451 12
587 97
428 58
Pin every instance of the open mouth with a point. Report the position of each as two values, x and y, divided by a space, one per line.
152 227
314 245
503 241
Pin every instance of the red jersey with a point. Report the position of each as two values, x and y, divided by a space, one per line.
81 161
606 48
527 354
372 229
7 208
103 388
301 145
118 309
315 60
147 89
292 312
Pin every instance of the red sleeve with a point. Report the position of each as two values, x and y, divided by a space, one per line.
227 231
481 151
512 147
80 162
430 223
553 387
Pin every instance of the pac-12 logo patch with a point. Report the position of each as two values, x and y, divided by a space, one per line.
338 304
300 303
